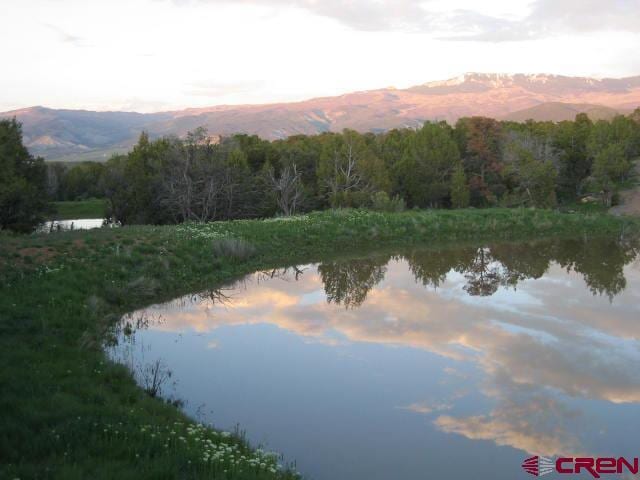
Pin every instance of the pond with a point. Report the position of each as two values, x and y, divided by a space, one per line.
437 363
74 224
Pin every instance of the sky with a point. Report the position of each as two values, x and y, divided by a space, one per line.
154 55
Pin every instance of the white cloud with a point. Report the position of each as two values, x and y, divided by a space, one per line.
549 18
537 19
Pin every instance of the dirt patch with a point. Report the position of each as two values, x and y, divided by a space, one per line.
43 254
629 199
629 203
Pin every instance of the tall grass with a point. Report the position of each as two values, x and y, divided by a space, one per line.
232 249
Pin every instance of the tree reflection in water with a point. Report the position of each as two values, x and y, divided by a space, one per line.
600 261
347 282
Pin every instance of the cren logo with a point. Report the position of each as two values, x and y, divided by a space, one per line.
538 466
595 466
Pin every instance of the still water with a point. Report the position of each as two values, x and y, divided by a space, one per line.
75 224
451 363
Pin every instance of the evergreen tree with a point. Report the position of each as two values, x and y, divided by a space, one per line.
424 173
23 182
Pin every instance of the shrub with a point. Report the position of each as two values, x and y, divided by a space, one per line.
381 202
235 248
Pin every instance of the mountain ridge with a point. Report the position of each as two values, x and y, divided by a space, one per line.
84 134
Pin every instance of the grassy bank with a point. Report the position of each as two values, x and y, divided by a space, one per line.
92 208
69 413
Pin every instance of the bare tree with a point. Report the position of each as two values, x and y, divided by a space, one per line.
346 170
540 147
202 181
345 175
288 188
280 273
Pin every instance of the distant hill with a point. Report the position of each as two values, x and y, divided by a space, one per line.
59 133
79 134
558 112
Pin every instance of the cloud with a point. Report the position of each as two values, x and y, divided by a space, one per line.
404 15
66 37
588 15
211 88
532 426
549 18
529 418
544 18
425 408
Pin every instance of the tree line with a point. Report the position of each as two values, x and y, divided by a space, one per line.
478 162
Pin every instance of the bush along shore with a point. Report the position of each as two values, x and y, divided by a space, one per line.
70 413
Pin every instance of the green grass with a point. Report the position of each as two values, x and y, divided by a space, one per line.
91 208
69 413
586 208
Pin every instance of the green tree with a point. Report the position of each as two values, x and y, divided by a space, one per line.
257 151
390 146
23 182
424 173
537 181
529 169
347 283
609 166
575 163
81 181
131 182
459 188
621 130
349 170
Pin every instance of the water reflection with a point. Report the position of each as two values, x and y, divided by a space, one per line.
75 224
419 355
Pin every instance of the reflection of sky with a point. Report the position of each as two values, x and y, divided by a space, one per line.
75 224
410 367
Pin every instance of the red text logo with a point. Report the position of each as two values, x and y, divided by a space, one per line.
595 466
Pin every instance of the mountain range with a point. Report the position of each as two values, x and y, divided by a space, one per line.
70 135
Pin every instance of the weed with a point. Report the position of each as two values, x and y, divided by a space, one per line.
233 248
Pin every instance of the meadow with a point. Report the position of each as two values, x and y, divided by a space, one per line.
70 413
90 208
